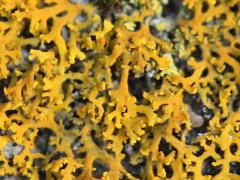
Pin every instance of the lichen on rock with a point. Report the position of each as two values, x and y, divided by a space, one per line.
138 90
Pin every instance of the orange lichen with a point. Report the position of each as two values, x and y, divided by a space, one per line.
67 73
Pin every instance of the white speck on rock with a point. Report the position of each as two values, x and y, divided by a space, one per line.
128 149
12 149
80 1
196 120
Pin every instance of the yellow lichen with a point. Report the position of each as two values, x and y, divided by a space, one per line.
70 76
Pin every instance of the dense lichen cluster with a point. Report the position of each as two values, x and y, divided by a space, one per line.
149 89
